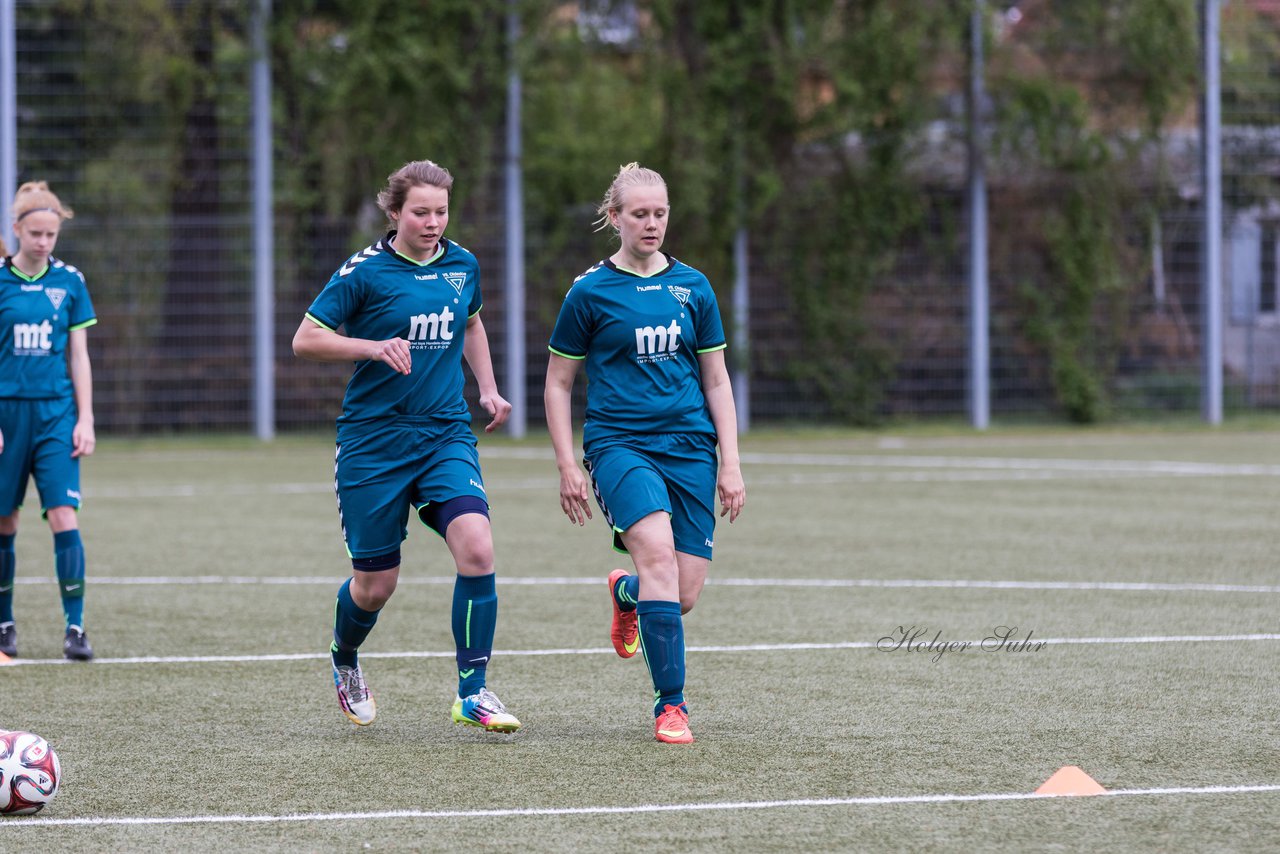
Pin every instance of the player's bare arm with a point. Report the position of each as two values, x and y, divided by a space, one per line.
314 342
475 349
718 392
83 436
574 495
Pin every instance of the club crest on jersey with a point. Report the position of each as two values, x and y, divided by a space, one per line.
458 280
56 296
681 294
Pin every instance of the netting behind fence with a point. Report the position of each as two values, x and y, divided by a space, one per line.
154 160
145 130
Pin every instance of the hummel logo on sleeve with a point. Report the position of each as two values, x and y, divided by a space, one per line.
70 268
587 273
358 258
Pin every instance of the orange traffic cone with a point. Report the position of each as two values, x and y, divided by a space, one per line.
1070 780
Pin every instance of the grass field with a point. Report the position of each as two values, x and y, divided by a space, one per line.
1145 559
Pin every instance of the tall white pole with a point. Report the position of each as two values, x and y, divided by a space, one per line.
979 300
515 333
8 118
1211 266
741 329
264 303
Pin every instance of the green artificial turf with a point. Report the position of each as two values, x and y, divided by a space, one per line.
213 566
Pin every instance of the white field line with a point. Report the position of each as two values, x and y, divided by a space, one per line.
922 468
550 581
497 486
736 648
889 458
722 806
1164 467
938 461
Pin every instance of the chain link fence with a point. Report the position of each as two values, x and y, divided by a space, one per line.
154 156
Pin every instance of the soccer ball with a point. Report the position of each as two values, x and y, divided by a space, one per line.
29 773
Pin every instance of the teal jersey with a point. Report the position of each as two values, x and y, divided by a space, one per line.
37 316
380 294
640 337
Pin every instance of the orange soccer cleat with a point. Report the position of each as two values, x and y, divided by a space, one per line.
672 726
625 632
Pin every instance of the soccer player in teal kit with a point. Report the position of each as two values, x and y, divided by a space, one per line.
658 402
46 404
410 308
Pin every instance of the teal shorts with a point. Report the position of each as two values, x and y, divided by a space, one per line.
380 474
634 476
37 443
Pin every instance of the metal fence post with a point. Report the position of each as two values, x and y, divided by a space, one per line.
515 332
264 304
8 118
1211 259
979 300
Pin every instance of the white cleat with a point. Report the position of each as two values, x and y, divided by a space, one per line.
354 695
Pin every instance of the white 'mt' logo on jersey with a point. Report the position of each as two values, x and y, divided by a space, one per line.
432 331
33 339
653 344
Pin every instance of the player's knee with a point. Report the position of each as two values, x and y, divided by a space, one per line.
659 575
474 556
61 519
371 592
374 579
471 543
656 554
687 601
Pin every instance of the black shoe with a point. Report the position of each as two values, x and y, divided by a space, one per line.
8 639
76 646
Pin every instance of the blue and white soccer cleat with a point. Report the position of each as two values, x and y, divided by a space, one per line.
484 709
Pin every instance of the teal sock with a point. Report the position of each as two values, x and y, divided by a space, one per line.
475 615
8 569
662 639
627 591
68 553
351 625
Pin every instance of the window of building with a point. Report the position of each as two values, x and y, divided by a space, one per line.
610 22
1267 285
